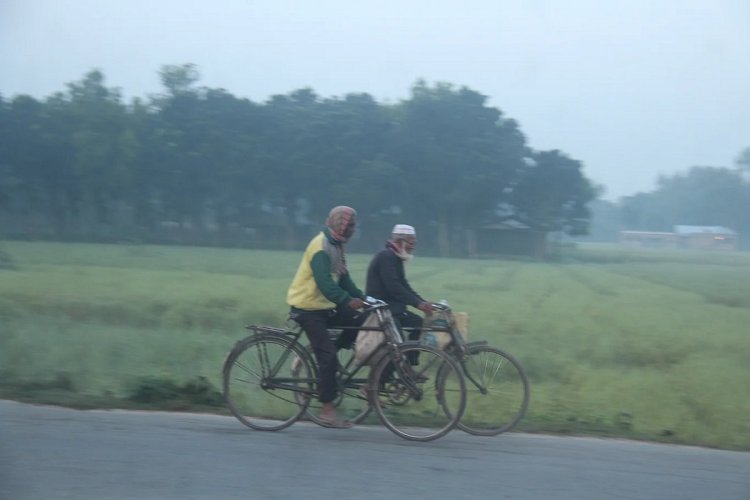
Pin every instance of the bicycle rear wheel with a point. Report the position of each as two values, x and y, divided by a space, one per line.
262 376
497 391
421 402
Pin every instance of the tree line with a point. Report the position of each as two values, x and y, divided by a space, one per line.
700 196
198 165
707 196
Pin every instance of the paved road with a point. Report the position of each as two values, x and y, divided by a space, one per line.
57 453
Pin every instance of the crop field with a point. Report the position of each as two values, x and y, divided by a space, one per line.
634 344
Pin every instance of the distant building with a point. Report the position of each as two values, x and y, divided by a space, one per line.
508 238
688 237
707 237
649 239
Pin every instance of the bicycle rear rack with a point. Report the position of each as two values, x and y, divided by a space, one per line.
268 330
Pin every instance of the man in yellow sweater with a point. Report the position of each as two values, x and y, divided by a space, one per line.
323 294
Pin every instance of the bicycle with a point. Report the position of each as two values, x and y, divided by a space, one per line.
270 381
496 384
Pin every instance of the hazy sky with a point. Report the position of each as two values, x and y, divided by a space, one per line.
632 88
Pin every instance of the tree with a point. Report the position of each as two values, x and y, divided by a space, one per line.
97 121
37 161
7 182
743 160
182 176
230 153
348 165
179 79
289 152
456 156
552 194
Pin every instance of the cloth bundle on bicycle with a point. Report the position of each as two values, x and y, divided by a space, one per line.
434 329
368 340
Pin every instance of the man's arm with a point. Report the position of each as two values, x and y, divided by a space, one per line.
408 286
321 268
395 285
347 284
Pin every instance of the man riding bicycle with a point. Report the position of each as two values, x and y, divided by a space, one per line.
322 294
386 279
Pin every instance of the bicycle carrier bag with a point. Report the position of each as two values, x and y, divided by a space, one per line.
369 338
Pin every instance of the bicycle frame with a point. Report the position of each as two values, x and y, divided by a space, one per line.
347 379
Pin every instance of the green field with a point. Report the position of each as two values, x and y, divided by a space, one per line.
642 345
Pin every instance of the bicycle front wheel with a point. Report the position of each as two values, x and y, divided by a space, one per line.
422 401
497 391
262 376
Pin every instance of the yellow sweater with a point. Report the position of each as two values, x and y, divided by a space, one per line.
315 285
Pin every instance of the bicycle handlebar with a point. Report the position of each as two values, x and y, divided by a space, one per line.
440 306
371 303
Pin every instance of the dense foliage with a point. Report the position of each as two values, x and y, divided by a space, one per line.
200 165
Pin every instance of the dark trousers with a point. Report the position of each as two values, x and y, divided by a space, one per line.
408 319
316 324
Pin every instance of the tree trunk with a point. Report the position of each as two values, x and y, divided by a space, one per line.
444 247
471 243
289 226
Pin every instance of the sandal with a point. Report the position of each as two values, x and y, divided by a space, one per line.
334 422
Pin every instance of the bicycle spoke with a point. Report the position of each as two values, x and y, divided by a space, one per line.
247 370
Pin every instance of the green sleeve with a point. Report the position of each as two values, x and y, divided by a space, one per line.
321 268
347 284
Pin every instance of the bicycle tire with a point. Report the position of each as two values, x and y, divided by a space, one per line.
416 409
497 391
248 390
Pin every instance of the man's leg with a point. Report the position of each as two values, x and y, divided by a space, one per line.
346 317
410 320
315 325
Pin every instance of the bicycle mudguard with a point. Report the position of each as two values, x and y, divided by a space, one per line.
477 343
411 343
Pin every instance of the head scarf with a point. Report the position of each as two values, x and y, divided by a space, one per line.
338 219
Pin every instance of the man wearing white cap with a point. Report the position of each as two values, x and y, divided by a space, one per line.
386 279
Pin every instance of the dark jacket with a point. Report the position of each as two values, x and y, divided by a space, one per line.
386 281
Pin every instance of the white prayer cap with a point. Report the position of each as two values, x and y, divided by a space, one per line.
403 229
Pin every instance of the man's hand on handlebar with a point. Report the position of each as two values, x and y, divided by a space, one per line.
426 307
356 303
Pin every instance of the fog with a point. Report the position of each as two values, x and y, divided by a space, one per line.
632 89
